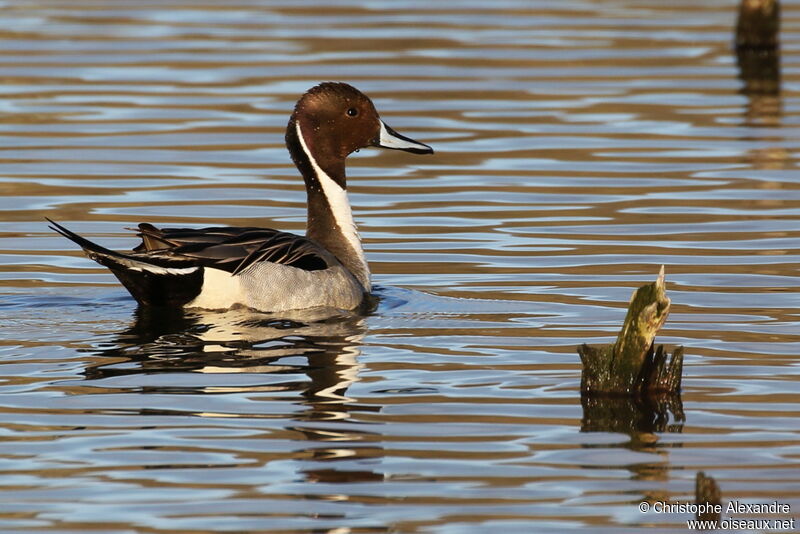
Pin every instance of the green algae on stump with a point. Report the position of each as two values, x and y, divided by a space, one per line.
633 365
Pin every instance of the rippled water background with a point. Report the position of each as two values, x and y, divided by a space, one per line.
580 145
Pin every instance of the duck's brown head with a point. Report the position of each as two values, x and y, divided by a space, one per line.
335 119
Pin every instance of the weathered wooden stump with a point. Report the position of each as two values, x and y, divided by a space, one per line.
757 46
633 365
758 24
706 491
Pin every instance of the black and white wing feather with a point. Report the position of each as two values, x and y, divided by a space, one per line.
234 249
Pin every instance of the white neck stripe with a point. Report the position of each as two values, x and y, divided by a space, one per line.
339 204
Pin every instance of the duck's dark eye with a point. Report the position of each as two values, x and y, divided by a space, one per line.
352 112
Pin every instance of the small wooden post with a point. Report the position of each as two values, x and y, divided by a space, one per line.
758 24
757 45
706 491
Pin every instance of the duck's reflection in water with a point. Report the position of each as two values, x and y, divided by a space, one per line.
323 345
302 364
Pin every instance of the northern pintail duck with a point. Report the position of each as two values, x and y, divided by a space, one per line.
261 268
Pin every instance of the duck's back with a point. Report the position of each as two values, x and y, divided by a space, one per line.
260 268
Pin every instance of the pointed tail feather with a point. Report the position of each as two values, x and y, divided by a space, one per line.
152 281
93 250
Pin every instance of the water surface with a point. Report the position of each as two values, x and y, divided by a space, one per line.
580 146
